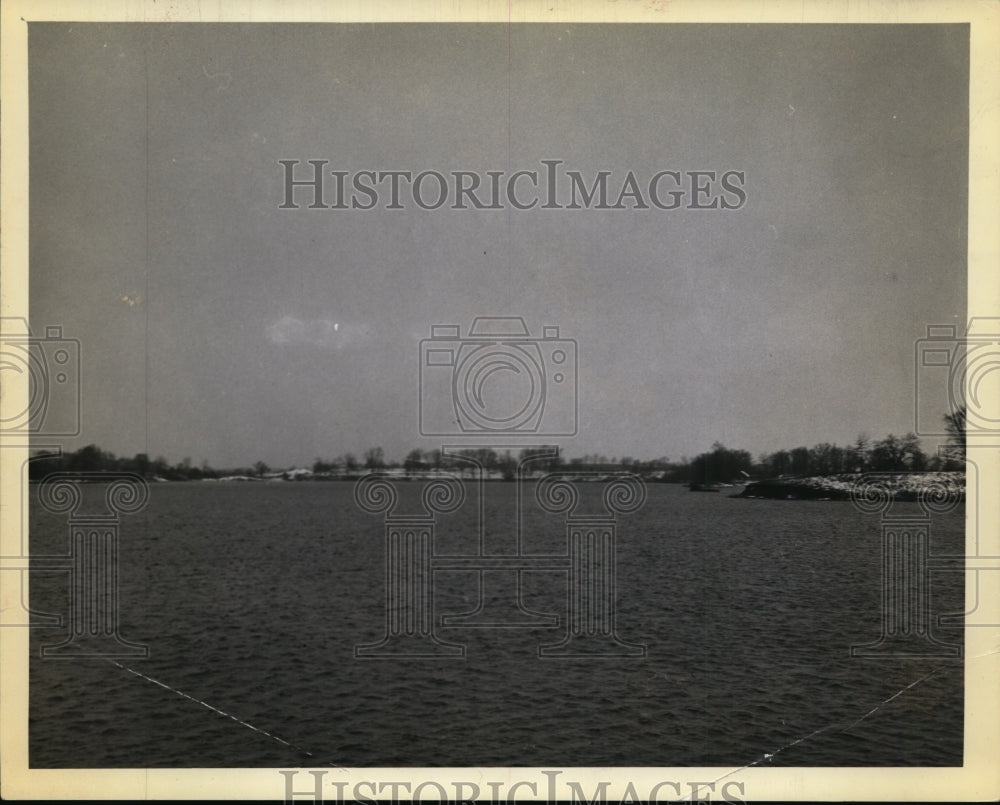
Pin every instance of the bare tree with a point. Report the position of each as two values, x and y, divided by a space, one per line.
374 458
861 452
414 460
954 424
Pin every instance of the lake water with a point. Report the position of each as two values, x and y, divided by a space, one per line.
252 597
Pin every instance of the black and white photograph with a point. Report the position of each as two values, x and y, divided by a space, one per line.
591 403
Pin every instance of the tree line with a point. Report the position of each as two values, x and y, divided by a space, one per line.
890 454
348 465
719 465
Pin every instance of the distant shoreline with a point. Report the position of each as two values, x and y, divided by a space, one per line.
902 486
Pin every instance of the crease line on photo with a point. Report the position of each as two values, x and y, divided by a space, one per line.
217 710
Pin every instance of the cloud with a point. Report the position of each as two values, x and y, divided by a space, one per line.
323 333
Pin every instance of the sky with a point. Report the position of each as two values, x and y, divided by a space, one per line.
216 326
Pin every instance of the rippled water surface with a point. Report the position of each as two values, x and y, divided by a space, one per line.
252 597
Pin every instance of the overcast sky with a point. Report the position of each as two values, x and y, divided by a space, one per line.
216 326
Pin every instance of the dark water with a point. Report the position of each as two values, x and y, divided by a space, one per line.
252 598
